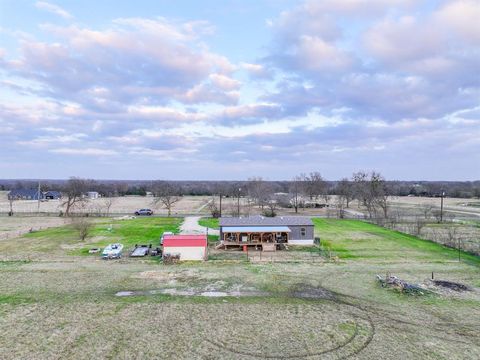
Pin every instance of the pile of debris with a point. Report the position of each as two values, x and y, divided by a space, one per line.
170 259
394 282
451 285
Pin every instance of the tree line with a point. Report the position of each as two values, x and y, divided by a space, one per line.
109 188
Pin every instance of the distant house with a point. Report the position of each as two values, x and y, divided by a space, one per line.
189 247
92 195
260 231
52 195
25 194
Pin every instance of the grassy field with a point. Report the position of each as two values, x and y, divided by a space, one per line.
65 240
209 222
365 241
62 305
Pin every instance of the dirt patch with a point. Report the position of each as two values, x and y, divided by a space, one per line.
169 277
304 291
192 292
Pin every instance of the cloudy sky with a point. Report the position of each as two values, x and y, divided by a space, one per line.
233 89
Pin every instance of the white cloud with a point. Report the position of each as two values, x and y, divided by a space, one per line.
55 9
315 54
463 17
256 70
84 151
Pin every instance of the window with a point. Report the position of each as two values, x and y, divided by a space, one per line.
303 231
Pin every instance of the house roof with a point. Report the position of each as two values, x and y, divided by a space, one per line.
266 221
184 241
25 193
255 229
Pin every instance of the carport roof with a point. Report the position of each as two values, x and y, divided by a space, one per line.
255 229
266 221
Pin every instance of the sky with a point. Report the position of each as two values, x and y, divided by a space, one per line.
203 90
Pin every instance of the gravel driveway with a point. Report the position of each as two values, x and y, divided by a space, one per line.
191 226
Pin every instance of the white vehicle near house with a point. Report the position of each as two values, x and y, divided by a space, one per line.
166 233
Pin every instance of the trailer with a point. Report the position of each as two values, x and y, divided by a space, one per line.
141 250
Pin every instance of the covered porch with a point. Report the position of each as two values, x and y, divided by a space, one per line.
256 236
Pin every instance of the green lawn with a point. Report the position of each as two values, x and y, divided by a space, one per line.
353 239
126 232
209 222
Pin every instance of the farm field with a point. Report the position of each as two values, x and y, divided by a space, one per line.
56 301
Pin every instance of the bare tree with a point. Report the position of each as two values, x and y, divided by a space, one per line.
340 205
418 225
345 190
271 206
108 202
166 193
83 227
371 191
360 187
314 184
73 193
11 199
295 192
379 192
213 208
427 210
452 236
259 191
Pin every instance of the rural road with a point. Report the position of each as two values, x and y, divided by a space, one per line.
191 226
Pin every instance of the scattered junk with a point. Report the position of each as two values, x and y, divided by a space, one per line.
170 259
156 252
125 217
112 251
394 282
94 250
451 285
439 287
140 250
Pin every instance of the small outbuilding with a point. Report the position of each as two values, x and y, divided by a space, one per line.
189 247
52 195
92 195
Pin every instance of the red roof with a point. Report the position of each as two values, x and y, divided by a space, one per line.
184 240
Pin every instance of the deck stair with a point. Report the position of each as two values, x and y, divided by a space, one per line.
269 247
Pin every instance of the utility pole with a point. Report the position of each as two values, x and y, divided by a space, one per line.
220 209
441 206
38 202
238 202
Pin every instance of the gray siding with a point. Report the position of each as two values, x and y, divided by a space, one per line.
296 233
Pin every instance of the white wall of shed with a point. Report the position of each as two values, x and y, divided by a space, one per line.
187 252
